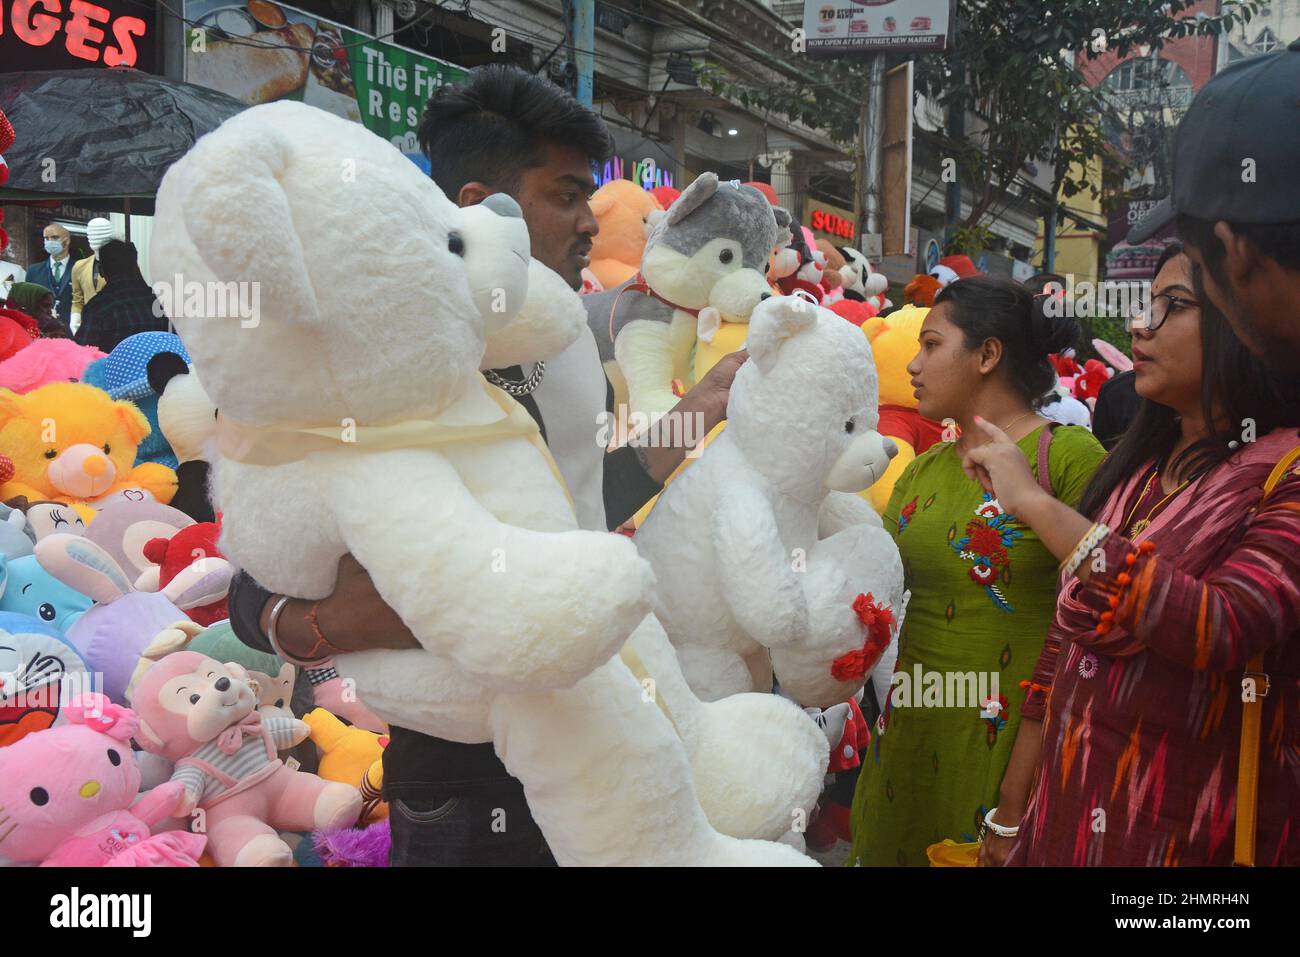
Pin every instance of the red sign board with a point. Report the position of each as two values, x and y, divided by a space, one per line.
830 223
65 34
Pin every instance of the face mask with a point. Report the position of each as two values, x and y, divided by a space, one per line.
53 246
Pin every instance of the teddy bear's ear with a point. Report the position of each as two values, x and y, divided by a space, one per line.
694 196
783 217
874 327
133 420
601 203
228 186
775 322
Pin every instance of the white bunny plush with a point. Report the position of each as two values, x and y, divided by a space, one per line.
330 415
123 621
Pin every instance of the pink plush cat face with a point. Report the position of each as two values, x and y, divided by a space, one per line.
54 781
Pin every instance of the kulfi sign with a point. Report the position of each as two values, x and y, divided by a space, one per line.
66 34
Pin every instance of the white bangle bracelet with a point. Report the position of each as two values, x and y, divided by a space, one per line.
1001 830
1094 537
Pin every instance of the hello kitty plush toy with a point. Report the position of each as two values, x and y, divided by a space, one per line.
203 715
67 795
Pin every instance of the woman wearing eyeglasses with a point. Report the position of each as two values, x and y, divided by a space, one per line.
1177 572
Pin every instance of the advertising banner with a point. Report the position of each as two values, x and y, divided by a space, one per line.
259 52
838 27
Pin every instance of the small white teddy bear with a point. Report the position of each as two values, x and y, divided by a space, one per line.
734 540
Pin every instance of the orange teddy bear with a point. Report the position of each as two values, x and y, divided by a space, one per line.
71 443
624 211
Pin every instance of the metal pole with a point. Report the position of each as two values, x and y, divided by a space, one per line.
1049 239
584 43
872 128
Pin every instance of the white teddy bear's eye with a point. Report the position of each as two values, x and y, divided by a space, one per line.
848 426
726 256
456 244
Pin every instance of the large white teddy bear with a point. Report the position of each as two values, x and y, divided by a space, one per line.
355 388
758 553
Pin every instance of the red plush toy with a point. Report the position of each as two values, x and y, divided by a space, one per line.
854 311
188 564
667 195
1088 385
6 140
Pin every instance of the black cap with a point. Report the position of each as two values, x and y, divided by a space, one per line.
1236 150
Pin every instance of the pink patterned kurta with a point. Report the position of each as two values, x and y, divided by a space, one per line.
1142 723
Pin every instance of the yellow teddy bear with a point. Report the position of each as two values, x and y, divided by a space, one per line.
895 340
71 443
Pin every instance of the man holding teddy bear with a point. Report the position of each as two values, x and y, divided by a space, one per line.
503 130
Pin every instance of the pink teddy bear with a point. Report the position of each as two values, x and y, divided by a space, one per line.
66 797
203 715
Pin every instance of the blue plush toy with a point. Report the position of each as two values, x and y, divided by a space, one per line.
124 374
39 673
28 589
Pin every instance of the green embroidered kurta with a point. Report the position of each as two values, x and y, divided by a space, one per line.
983 594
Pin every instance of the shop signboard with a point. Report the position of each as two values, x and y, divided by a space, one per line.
72 34
645 172
839 27
259 52
830 222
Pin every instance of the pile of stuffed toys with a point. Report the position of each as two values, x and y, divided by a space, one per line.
627 682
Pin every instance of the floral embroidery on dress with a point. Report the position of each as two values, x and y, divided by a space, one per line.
988 539
993 711
905 515
1088 665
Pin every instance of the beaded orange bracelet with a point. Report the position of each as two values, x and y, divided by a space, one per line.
1124 579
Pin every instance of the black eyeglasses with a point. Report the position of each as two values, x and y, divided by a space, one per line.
1149 320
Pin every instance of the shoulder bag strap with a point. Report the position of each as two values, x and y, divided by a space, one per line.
1254 688
1044 463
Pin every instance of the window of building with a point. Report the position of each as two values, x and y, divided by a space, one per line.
1266 42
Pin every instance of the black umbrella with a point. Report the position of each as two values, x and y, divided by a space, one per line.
110 132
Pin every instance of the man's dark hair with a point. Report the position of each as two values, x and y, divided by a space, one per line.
119 260
493 126
1277 241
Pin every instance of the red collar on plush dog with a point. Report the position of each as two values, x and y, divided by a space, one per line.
638 284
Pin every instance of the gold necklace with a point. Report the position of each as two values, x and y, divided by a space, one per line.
1141 526
1010 424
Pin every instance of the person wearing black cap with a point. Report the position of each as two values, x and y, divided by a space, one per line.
1236 201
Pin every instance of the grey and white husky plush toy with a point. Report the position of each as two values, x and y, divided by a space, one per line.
703 264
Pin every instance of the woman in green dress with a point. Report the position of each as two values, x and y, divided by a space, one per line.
983 585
